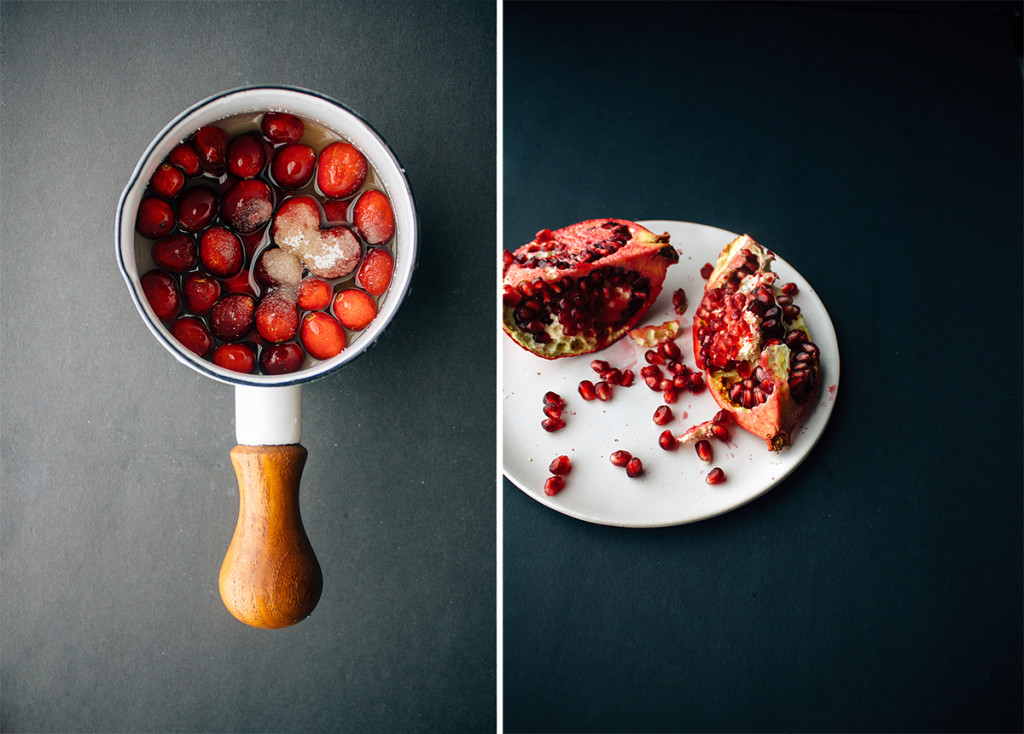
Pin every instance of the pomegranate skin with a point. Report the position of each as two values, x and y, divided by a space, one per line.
580 289
754 347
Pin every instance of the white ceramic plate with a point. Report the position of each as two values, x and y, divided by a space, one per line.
672 490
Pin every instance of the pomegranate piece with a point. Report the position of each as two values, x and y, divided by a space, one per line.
373 217
232 317
293 165
246 156
374 275
554 484
715 476
315 294
620 458
235 357
355 309
560 465
211 143
177 252
749 336
277 317
707 429
280 359
340 170
197 208
167 181
183 155
161 291
282 127
328 253
247 206
155 218
221 252
193 335
654 335
199 291
579 289
634 467
322 336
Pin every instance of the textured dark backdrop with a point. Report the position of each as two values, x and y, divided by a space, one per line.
877 148
118 496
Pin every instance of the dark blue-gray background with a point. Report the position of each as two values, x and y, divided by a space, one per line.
877 148
118 496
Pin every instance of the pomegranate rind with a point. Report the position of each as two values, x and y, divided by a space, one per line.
557 258
651 335
776 419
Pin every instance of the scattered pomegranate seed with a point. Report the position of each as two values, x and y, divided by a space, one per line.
663 415
790 289
679 301
281 127
354 308
560 465
715 476
654 383
620 458
551 397
552 410
705 272
696 382
373 217
340 171
719 431
703 448
668 441
322 336
293 166
627 378
552 424
587 390
723 416
554 485
155 218
603 390
599 366
670 350
612 376
651 370
670 396
634 468
374 274
653 357
279 359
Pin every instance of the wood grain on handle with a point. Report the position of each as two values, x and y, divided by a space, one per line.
270 577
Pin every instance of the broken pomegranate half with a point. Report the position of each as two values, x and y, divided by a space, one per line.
751 340
579 289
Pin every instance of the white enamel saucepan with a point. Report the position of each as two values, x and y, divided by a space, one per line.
270 576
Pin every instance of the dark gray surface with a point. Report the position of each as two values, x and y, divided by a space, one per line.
119 498
877 149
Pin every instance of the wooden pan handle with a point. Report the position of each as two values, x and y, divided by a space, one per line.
270 577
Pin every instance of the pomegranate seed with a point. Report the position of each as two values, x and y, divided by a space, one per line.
670 350
790 289
670 396
665 384
705 272
554 485
743 369
553 398
668 441
654 383
560 465
620 458
679 301
719 431
650 371
634 468
681 382
587 390
612 376
552 424
552 410
715 476
663 415
604 391
703 448
627 378
723 417
696 382
653 357
599 366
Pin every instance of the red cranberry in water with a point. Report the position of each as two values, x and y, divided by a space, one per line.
161 292
211 144
200 292
167 181
220 251
183 155
280 359
197 208
281 127
248 205
246 156
373 217
293 165
341 170
235 357
193 334
155 218
176 252
233 316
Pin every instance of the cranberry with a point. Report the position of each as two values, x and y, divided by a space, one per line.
211 144
279 359
335 212
322 336
220 251
251 241
341 170
277 318
246 156
314 294
374 274
200 292
373 217
197 208
275 267
193 334
293 166
183 155
281 127
161 291
239 283
176 252
248 205
155 218
232 317
167 181
354 308
235 357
